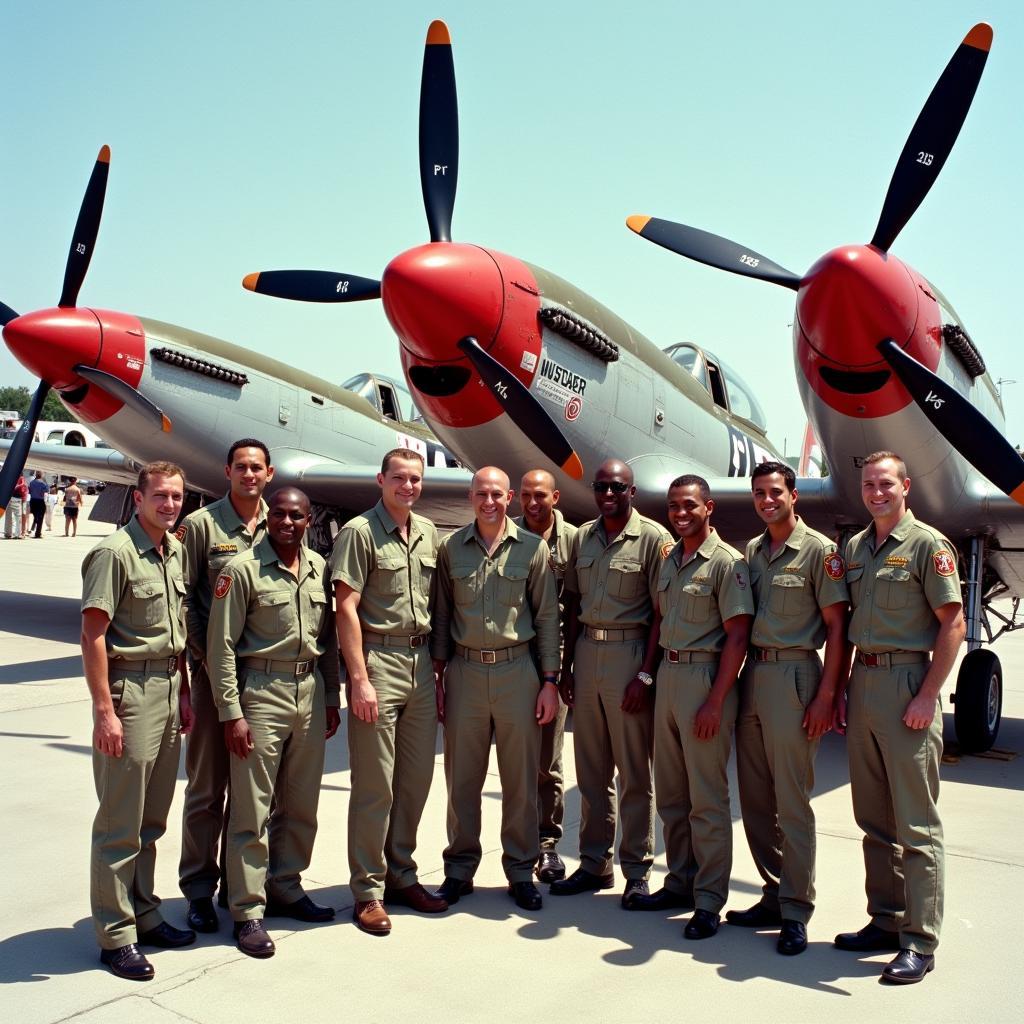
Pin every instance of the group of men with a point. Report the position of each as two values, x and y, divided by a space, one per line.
495 632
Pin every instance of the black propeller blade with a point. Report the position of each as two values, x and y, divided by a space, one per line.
312 285
525 411
6 314
14 464
86 229
124 392
439 132
959 422
933 135
712 250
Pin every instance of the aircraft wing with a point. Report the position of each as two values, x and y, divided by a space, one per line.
86 463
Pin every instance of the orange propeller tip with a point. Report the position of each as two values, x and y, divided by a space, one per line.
573 467
438 34
104 157
980 37
165 423
1018 494
637 223
250 281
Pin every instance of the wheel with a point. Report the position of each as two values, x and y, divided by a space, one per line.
979 701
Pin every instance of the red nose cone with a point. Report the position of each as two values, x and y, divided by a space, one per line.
50 342
852 299
437 294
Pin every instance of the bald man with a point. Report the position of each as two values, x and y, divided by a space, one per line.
496 604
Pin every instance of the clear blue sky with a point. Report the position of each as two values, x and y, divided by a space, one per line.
267 135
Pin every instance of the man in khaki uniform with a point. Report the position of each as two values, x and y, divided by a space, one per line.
703 622
611 584
382 568
906 600
273 661
211 536
133 636
538 498
786 700
496 597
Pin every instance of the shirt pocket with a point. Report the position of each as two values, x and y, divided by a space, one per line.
855 582
428 566
317 613
787 593
585 573
391 575
465 584
625 578
512 584
149 605
697 598
664 582
893 585
272 614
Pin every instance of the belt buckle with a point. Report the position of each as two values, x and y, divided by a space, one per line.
488 657
172 665
417 641
598 633
672 657
302 667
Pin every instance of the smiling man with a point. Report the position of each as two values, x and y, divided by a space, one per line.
908 624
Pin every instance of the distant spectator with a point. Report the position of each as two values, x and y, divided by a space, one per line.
14 513
72 503
37 492
51 503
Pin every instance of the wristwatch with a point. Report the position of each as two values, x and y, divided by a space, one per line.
646 678
551 680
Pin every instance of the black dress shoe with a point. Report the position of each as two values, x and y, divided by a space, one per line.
526 895
201 916
757 916
303 909
909 967
792 938
550 867
166 936
581 880
127 962
702 925
451 890
663 899
635 887
252 939
870 939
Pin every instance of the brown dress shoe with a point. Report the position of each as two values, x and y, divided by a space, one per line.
371 917
252 939
416 898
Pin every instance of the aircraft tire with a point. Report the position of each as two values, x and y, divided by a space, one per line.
979 701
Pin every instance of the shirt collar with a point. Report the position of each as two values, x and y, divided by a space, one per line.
268 556
705 551
233 521
142 540
795 540
558 524
509 531
899 531
631 529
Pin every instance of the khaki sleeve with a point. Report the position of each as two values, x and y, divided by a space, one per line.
655 556
351 558
227 622
440 634
734 596
569 580
328 663
939 576
193 547
543 593
104 577
828 589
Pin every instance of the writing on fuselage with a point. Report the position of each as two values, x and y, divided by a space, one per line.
745 453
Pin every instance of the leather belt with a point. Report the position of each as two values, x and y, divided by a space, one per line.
288 668
892 658
149 667
689 657
388 640
492 657
602 635
780 654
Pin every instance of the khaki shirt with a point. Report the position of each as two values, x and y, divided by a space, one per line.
790 588
260 610
394 579
211 536
489 602
618 582
142 593
697 595
894 590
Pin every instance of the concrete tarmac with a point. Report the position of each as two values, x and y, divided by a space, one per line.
578 959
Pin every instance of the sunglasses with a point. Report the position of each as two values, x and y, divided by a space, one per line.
615 486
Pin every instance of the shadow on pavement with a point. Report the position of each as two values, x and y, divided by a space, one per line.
42 616
40 671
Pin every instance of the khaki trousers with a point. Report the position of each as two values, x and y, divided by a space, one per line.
205 815
894 779
288 722
135 792
392 763
692 785
775 771
481 701
606 739
551 781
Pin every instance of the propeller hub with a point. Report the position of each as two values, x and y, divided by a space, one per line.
50 342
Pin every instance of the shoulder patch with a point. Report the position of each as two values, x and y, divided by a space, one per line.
181 531
835 567
945 563
666 549
741 580
222 586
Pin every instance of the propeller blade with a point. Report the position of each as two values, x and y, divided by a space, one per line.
439 132
959 422
14 464
86 229
124 392
6 314
525 411
312 285
712 250
933 135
